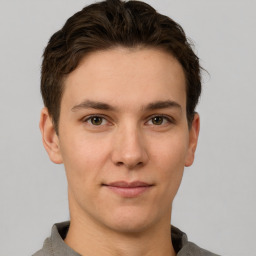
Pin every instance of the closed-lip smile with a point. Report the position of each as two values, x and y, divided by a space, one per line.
128 189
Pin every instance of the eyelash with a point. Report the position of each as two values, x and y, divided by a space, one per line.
169 119
85 120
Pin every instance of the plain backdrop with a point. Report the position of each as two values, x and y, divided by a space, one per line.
215 205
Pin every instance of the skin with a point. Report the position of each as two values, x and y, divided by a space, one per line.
134 138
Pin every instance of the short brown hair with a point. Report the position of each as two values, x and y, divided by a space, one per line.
109 24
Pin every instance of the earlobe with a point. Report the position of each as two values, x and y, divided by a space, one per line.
193 139
49 137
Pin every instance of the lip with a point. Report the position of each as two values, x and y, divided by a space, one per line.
128 189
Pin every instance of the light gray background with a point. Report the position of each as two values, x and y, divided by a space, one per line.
216 202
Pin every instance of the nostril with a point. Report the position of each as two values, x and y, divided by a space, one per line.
119 163
129 165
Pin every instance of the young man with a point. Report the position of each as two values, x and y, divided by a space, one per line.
120 84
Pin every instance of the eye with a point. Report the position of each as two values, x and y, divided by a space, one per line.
96 120
159 120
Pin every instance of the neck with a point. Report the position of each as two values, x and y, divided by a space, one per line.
89 238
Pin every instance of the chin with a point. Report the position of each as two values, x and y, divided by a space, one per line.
130 222
129 227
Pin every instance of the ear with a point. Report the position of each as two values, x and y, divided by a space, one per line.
49 137
193 139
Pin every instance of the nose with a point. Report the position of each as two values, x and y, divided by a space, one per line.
129 148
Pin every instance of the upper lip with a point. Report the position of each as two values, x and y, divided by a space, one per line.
125 184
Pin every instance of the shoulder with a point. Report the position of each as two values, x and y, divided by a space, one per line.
55 245
46 250
183 247
191 249
40 253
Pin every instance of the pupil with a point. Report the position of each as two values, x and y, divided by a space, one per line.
158 120
96 120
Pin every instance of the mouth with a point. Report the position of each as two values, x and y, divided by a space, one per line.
128 189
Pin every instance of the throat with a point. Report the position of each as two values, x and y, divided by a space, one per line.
89 242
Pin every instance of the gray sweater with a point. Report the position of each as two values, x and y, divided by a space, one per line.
55 245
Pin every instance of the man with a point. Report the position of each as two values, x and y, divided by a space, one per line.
120 84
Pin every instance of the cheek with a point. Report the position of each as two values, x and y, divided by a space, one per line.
171 151
83 157
169 157
84 162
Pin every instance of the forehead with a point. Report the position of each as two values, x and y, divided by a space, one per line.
126 77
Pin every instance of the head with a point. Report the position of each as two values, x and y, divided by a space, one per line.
110 24
120 84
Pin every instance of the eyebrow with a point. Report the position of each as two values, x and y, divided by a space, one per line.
104 106
162 105
92 104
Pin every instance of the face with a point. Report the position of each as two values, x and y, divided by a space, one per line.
123 137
